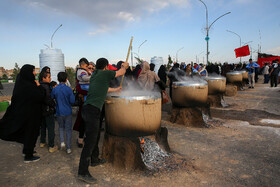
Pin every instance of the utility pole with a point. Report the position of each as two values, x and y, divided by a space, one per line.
139 48
177 53
239 39
208 28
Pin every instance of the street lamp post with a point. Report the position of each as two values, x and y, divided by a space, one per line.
177 53
196 59
239 38
139 48
208 28
54 33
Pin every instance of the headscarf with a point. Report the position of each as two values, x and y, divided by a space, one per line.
25 77
119 64
147 78
135 71
26 73
162 73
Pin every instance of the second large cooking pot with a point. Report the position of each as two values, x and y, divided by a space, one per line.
216 85
234 76
189 94
244 74
133 116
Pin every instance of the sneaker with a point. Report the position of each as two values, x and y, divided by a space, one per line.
68 151
62 146
98 162
250 87
42 145
87 178
53 149
32 159
253 87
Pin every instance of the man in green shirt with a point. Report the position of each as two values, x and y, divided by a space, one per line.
98 89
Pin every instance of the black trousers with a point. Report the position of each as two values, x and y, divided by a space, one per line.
48 123
266 78
82 124
90 152
31 133
273 80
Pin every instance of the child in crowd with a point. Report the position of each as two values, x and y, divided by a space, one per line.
83 75
48 111
53 84
64 99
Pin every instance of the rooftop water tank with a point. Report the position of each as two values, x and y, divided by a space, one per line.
158 61
54 59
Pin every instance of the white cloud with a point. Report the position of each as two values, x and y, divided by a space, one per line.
99 31
126 16
274 51
107 14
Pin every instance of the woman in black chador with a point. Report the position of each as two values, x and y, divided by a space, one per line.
21 122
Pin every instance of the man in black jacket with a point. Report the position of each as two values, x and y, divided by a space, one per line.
48 110
174 74
274 73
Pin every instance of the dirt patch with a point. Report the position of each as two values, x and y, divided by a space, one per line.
252 116
187 116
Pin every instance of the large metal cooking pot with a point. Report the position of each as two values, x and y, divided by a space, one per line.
216 85
189 94
244 74
234 76
133 116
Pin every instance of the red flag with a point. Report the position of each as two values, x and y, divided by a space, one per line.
242 51
112 67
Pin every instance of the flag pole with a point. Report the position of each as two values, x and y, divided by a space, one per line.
127 56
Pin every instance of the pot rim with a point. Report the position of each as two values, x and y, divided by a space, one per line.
215 78
191 84
243 71
134 97
234 73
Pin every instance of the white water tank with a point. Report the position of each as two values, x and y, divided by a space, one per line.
54 59
158 61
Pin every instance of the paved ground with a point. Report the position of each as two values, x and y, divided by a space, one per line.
8 89
243 151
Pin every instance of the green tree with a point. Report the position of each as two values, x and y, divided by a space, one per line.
71 76
15 71
5 77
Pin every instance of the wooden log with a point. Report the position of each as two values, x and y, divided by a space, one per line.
122 152
125 153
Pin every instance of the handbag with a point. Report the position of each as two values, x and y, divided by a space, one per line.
164 96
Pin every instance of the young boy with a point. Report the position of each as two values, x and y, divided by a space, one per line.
48 111
99 86
64 99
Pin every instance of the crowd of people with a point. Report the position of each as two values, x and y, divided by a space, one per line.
36 104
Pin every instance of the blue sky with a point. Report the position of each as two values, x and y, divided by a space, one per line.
103 28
